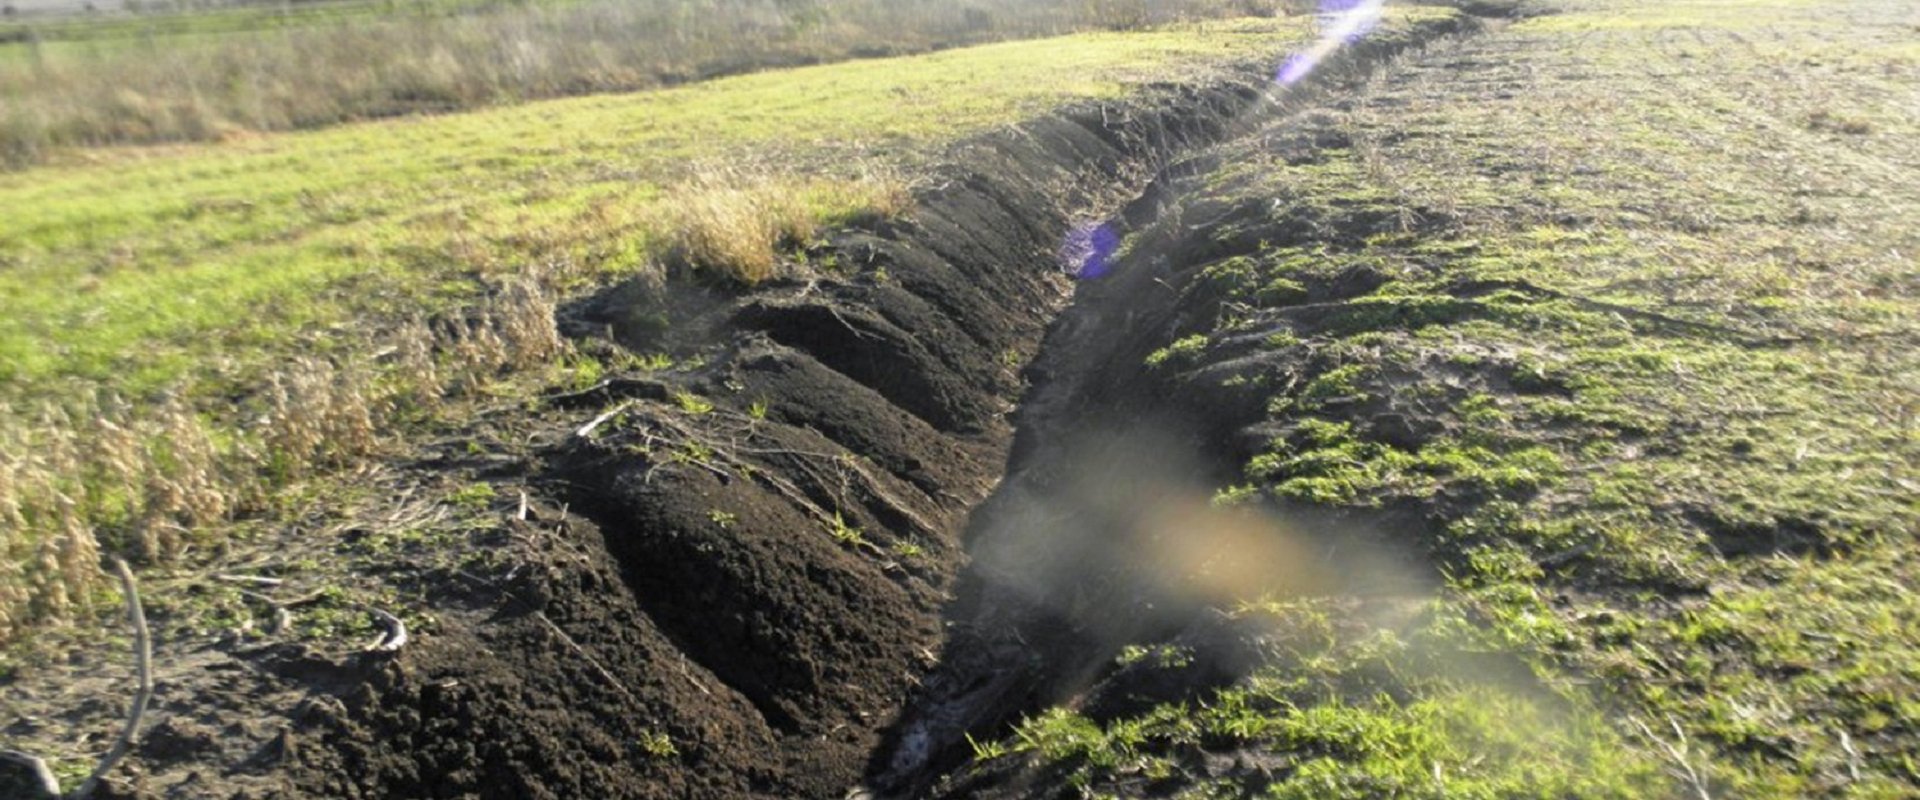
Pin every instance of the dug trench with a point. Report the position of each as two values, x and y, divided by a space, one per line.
822 557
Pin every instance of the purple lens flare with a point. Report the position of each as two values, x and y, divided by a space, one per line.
1088 250
1346 22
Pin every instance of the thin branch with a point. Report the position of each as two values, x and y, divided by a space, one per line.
1679 751
257 580
587 430
391 639
143 661
35 766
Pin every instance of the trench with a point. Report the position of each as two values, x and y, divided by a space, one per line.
893 507
1063 571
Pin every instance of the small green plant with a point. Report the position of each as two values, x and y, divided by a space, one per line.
987 750
657 745
758 410
905 549
1282 339
69 772
333 616
1183 350
653 362
846 533
1237 495
1063 737
693 403
693 452
723 519
586 372
476 497
1163 656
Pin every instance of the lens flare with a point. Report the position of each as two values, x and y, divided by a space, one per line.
1088 250
1350 21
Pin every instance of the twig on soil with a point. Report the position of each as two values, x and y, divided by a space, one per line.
857 333
257 580
587 430
391 639
143 662
783 487
1680 752
607 390
1853 756
49 785
283 609
879 492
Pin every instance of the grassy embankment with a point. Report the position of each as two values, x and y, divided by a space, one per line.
1622 302
219 74
269 305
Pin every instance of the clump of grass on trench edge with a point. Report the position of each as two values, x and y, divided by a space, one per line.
732 224
98 475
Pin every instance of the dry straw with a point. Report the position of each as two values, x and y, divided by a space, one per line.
102 476
134 90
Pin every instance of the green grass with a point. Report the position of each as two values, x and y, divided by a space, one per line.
156 266
81 82
274 308
1350 711
1636 348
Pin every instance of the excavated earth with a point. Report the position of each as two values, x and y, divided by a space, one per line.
759 562
955 469
751 579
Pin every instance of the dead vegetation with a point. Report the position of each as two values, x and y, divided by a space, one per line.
734 224
99 475
143 88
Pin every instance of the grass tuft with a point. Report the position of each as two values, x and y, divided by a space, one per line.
99 475
734 225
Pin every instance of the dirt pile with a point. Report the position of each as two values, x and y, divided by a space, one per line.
1485 435
744 580
758 557
753 573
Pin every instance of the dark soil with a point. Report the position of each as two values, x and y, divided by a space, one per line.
746 579
760 574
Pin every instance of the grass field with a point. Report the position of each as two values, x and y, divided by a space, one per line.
1635 336
207 272
221 73
136 265
74 24
1604 318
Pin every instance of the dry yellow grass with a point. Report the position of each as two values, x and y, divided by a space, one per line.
99 474
733 224
220 76
266 230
